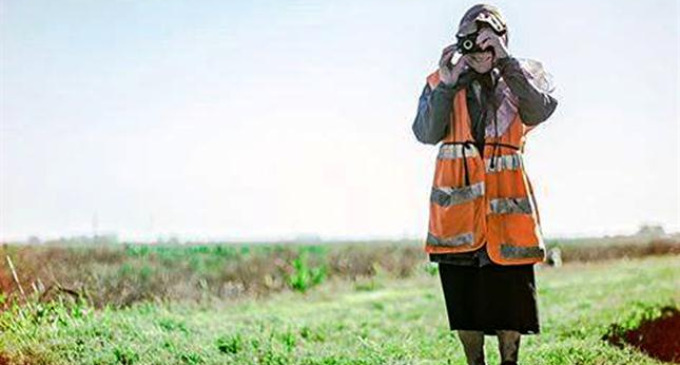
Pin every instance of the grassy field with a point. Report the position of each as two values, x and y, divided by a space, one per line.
377 320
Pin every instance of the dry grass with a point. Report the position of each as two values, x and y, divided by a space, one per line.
121 274
652 247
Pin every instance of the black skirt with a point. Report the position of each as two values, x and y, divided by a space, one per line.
490 297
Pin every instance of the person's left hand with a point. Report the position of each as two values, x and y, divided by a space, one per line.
487 38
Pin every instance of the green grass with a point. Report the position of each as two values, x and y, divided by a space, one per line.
377 321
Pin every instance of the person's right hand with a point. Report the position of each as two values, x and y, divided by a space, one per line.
449 73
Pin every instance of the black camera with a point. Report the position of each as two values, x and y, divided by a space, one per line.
468 43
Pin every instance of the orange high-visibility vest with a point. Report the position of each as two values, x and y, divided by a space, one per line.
479 200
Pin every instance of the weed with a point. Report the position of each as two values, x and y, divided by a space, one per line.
431 268
125 355
304 276
230 344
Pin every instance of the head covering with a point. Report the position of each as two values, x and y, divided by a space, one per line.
485 13
506 100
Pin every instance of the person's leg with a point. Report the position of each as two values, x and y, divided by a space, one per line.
473 344
508 344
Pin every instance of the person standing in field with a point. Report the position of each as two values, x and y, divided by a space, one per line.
484 228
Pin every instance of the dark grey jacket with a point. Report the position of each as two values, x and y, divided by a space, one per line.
435 106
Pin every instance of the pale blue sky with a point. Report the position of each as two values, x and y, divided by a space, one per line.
270 119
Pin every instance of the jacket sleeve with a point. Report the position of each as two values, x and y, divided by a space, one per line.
434 111
535 105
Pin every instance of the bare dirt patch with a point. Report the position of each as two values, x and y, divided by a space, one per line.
658 338
4 360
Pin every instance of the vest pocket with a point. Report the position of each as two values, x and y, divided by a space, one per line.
513 235
457 225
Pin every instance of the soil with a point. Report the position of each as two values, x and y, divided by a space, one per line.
659 338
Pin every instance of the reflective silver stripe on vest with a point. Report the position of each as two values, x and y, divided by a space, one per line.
453 151
505 162
519 252
459 240
510 205
446 196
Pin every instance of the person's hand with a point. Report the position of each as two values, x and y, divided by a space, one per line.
448 72
487 38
